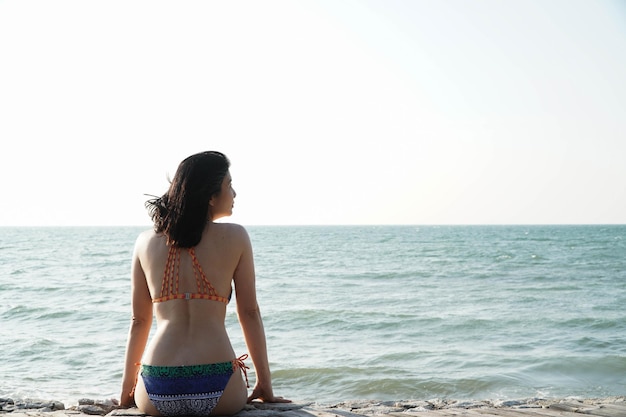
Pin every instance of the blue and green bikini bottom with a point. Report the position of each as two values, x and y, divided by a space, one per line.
188 390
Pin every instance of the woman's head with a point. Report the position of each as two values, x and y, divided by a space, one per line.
184 210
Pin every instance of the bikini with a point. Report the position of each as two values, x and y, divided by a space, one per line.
195 389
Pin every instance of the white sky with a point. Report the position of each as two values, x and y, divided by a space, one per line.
332 112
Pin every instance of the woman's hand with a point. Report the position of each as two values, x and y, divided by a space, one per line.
127 401
267 396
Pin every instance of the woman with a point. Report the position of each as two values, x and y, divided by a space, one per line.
182 272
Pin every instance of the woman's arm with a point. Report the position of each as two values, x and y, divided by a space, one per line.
252 323
141 322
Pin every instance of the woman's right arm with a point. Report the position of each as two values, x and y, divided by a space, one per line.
141 322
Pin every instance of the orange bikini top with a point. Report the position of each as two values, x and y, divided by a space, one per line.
169 288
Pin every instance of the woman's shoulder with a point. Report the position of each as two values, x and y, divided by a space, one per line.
232 230
231 234
147 235
147 238
227 236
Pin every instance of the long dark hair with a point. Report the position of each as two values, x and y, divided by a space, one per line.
182 212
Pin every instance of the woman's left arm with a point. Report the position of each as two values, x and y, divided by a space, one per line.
141 322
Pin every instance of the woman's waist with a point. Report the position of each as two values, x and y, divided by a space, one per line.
171 347
190 326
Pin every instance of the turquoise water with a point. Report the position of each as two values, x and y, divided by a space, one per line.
351 312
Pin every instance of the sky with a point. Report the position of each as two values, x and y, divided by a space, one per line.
331 111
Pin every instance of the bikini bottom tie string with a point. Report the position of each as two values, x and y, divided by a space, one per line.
239 363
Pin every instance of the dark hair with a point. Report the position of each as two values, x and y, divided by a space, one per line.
182 212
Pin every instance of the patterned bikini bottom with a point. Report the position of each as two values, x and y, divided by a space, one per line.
188 390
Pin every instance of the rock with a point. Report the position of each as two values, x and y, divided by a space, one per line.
96 407
126 412
107 405
414 404
57 406
366 408
258 405
437 403
507 403
44 406
93 410
529 405
469 404
7 405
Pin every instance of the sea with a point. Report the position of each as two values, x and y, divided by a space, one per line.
350 312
